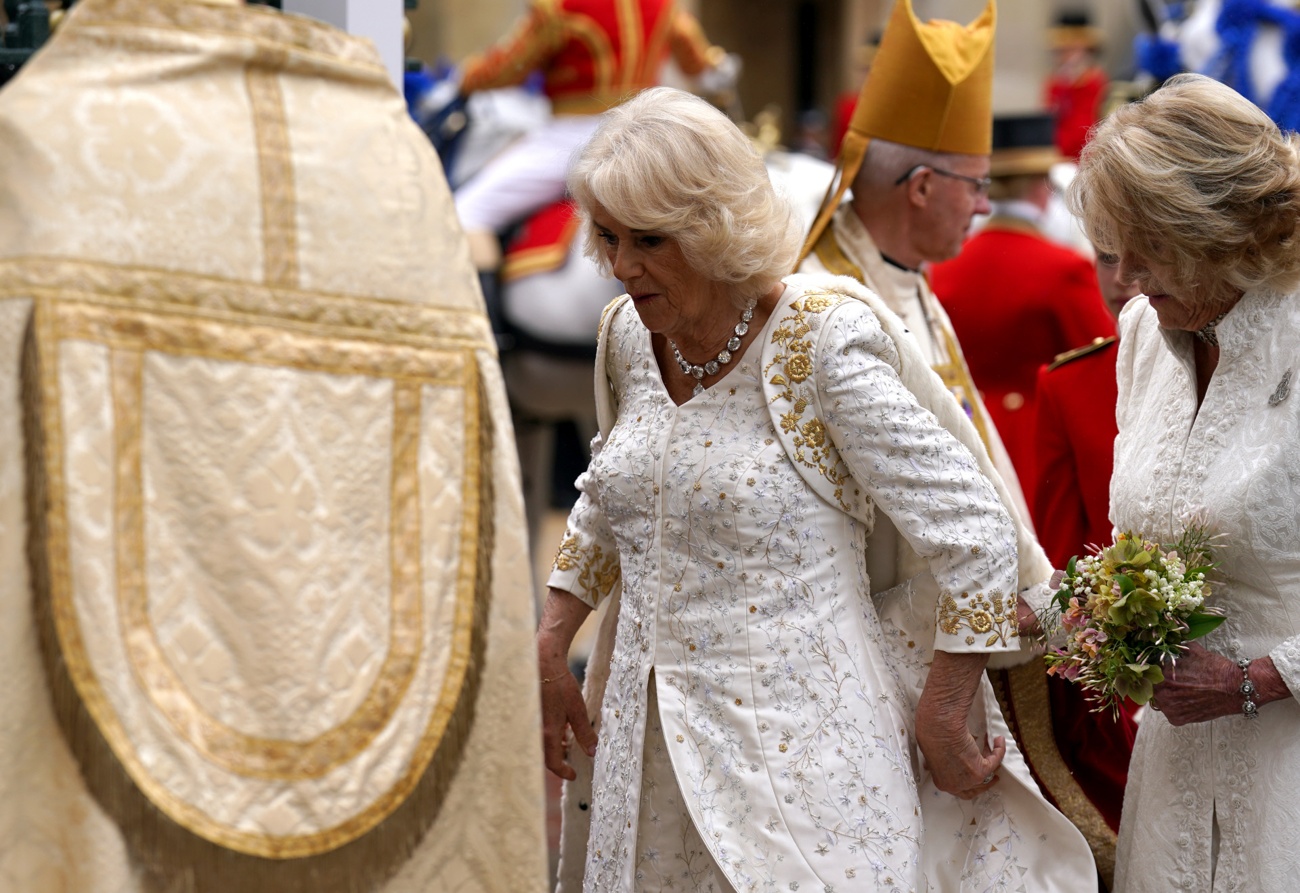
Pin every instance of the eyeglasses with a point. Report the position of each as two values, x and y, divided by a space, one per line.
981 184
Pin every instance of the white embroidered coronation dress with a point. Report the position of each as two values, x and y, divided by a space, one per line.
786 704
1236 465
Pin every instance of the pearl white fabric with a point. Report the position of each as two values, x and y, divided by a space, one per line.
1234 465
786 699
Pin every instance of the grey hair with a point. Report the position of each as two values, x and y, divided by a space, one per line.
1196 177
885 162
668 162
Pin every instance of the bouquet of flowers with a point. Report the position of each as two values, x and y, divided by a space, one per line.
1125 609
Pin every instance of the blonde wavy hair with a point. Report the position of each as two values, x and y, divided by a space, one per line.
668 162
1196 177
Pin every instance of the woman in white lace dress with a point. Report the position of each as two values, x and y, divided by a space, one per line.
1198 193
763 728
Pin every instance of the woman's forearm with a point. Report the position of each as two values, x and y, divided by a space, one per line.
562 617
959 764
949 692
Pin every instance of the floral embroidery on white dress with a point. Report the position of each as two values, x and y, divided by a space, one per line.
783 712
1235 464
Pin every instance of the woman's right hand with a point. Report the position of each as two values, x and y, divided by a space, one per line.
958 763
563 707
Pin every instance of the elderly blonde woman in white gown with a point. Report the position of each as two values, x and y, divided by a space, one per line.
1198 193
764 726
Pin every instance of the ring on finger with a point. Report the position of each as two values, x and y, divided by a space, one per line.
1155 706
988 779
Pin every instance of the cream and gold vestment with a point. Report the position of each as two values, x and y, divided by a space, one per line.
264 590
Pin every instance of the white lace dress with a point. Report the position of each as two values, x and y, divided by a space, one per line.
1231 784
783 729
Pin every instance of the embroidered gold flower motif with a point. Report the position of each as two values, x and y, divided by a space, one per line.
597 572
810 445
567 558
814 433
798 367
984 613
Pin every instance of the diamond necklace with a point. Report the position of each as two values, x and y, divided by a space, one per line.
1207 334
698 372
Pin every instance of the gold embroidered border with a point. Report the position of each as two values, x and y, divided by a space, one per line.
598 573
992 614
459 688
140 288
276 177
182 335
811 447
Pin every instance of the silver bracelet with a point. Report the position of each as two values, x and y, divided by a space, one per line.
1249 708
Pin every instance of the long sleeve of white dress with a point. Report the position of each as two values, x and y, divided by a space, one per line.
919 475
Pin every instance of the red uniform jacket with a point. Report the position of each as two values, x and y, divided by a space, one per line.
594 53
1016 300
1071 508
1075 442
1076 106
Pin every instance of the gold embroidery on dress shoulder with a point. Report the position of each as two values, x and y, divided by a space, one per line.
992 614
791 367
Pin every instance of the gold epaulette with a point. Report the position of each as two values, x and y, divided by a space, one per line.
1097 344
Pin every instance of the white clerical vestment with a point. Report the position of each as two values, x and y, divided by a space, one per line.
265 608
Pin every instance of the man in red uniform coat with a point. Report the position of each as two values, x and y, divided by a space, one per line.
1075 436
1077 86
1017 299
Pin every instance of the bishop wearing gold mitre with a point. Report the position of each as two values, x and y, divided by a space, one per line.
917 157
264 593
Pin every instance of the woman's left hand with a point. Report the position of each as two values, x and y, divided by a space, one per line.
1027 620
1200 686
958 763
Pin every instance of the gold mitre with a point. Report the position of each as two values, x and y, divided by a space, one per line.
930 86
